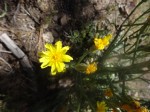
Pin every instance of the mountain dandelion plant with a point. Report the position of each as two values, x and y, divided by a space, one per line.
55 56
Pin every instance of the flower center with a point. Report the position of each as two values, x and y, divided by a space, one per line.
56 57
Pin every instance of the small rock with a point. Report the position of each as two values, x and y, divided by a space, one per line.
48 37
43 5
64 19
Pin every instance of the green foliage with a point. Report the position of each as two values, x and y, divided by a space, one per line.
124 60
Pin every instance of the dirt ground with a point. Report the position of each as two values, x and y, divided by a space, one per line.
32 23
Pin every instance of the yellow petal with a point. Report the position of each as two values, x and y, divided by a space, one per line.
67 58
40 54
44 64
44 56
53 69
47 53
109 36
50 47
60 67
43 59
58 45
44 53
101 43
105 41
65 49
100 47
97 41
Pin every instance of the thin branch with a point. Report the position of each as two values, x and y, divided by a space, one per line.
3 51
7 64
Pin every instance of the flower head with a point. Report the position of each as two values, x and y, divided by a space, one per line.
55 56
136 104
91 68
101 107
142 109
134 107
101 43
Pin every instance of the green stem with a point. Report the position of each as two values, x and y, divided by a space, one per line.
78 109
121 40
137 42
82 57
112 45
131 79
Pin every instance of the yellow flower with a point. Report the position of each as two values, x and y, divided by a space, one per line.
135 107
136 104
101 43
139 108
142 109
108 92
55 56
101 107
91 68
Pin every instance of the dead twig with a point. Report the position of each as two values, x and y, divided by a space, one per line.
10 44
7 64
3 51
27 67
